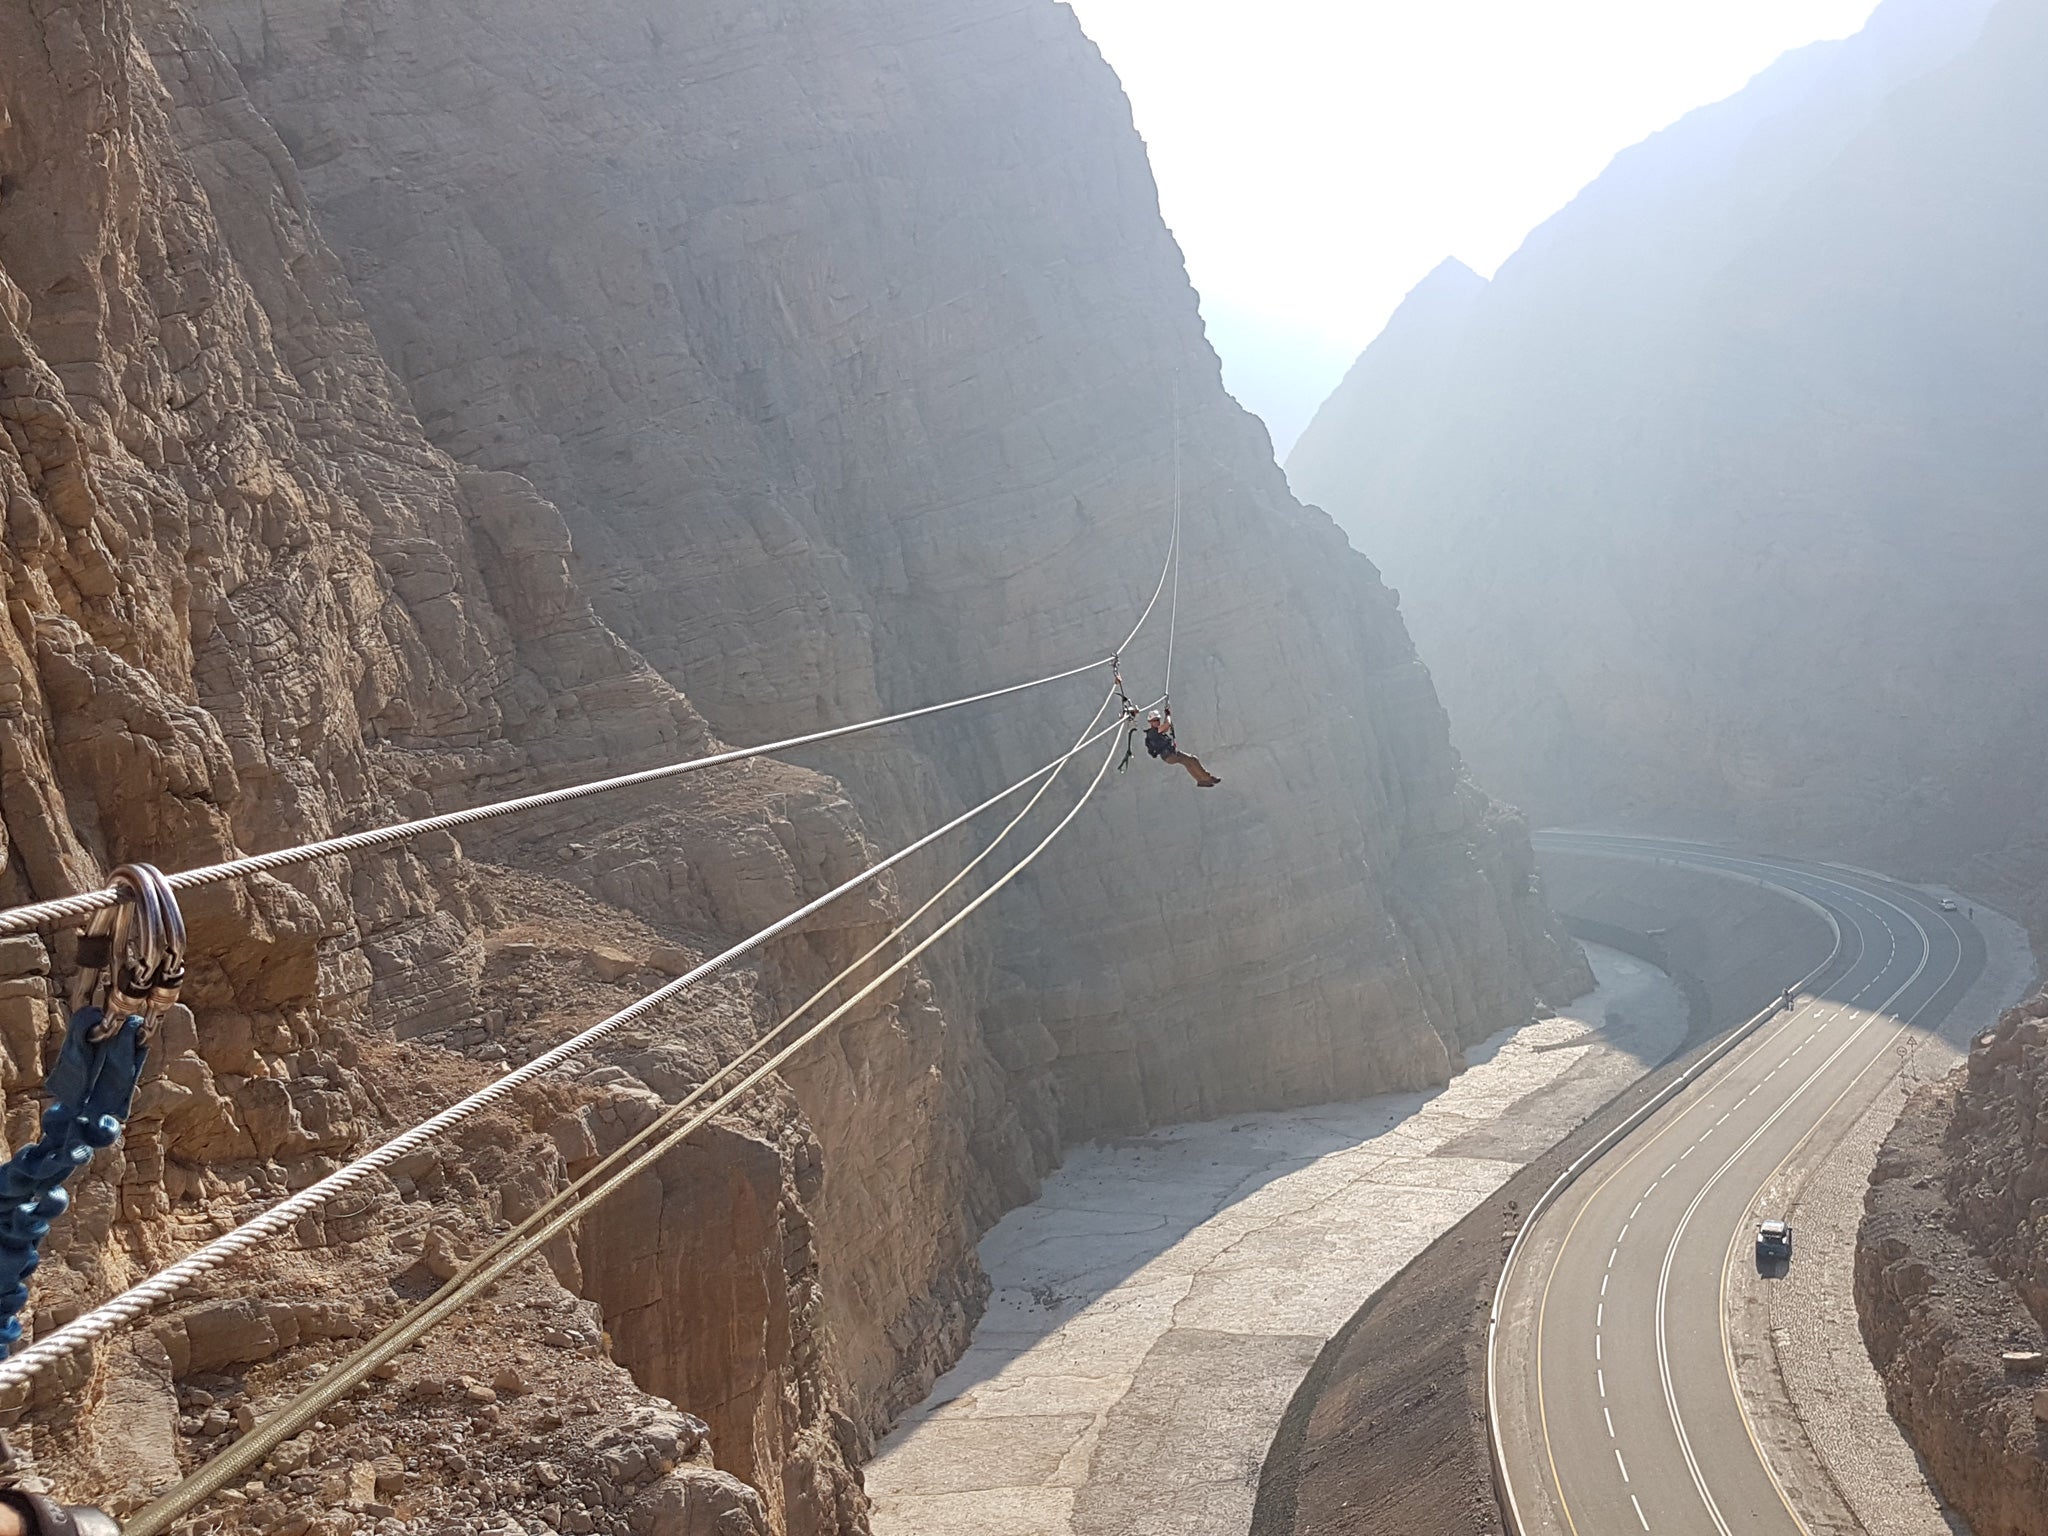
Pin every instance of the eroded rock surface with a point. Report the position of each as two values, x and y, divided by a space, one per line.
249 604
815 359
1952 1276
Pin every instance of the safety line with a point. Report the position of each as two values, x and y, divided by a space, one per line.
1173 604
161 1287
70 910
248 1452
1172 546
682 1106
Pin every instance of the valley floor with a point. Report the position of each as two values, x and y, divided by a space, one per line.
1156 1308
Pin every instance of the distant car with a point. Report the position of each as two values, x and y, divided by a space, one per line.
1948 903
1773 1241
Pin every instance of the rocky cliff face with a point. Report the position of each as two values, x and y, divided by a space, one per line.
1750 422
815 359
848 338
249 604
1952 1277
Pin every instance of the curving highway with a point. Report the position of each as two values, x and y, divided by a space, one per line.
1616 1408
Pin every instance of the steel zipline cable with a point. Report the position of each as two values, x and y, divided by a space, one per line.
62 911
66 910
1173 552
563 1210
148 1294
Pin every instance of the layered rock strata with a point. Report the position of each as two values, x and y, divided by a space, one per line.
1952 1277
803 445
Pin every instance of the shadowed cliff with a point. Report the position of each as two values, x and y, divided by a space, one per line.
534 370
848 338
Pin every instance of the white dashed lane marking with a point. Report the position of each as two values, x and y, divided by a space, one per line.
1600 1308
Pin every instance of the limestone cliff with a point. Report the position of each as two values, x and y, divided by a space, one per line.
1952 1276
847 342
848 338
249 604
1753 423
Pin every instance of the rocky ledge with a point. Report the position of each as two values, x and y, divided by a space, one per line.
1952 1277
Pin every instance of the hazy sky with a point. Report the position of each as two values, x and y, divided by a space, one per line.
1317 157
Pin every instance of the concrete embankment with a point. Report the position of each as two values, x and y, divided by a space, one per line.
1155 1309
1387 1433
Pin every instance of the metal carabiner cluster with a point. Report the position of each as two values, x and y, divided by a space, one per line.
131 961
131 964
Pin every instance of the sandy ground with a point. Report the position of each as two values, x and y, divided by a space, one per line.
1807 1380
1155 1309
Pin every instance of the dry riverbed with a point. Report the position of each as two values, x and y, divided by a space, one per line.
1155 1309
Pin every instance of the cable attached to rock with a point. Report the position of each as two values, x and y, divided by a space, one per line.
247 1453
148 1294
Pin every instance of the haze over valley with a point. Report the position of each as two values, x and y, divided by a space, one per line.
700 843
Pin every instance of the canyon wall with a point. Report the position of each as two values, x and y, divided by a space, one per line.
406 404
1753 425
847 336
1952 1277
250 604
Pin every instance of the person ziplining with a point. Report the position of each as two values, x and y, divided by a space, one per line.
1160 743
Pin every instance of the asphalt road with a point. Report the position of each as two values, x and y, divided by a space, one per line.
1617 1401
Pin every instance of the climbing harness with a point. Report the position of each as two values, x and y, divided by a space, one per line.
43 1516
46 1517
131 964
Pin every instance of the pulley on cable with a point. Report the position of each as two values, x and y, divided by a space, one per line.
131 964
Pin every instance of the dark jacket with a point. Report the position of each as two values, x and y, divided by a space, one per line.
1158 743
